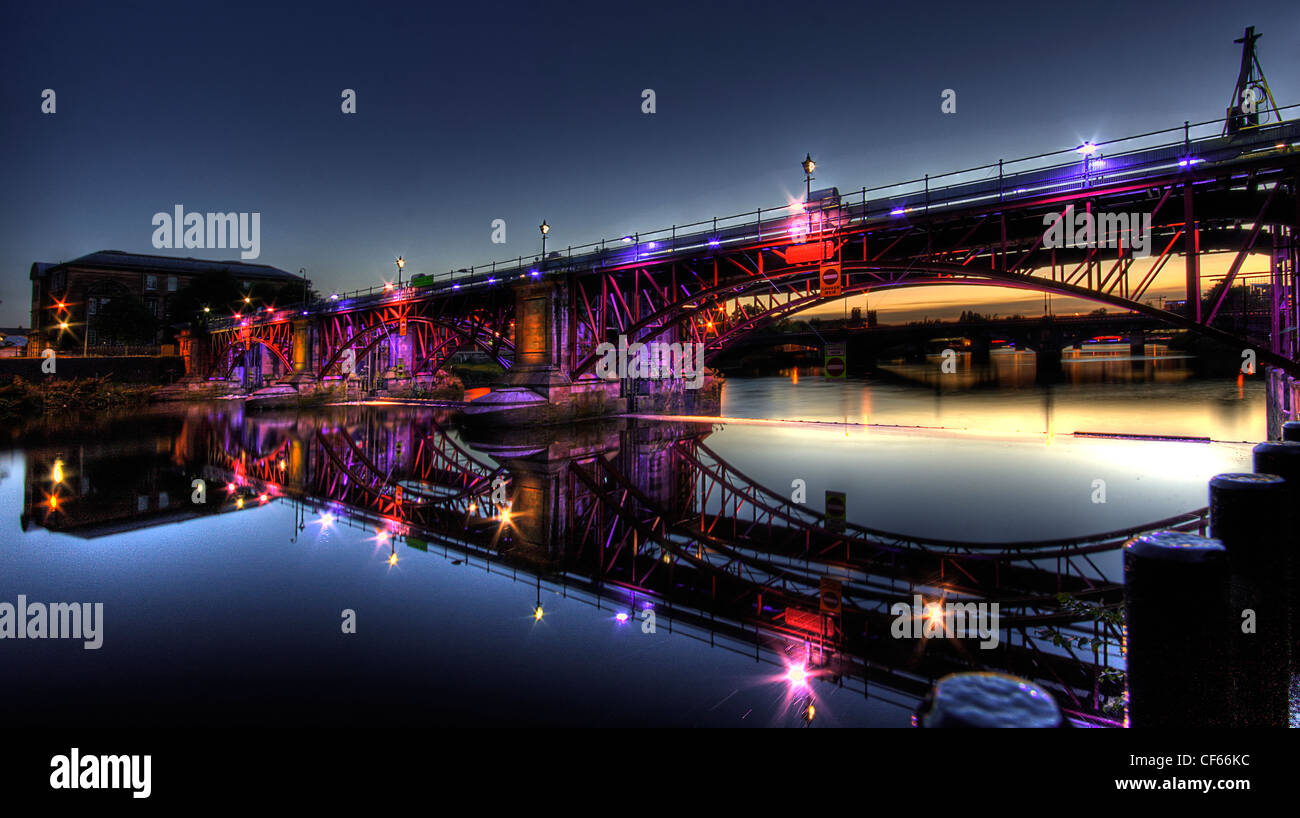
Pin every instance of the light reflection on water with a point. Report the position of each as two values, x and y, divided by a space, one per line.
229 619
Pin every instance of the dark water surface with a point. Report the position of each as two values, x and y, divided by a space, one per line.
225 615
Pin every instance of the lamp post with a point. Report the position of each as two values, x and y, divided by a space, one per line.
306 288
401 262
545 228
808 167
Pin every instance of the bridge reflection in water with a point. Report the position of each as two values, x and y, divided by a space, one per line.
641 516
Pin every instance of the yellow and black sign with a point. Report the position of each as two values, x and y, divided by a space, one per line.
831 284
836 360
836 502
830 595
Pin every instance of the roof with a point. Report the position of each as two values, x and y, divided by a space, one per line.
119 260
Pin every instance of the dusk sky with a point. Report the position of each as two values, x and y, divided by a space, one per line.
525 112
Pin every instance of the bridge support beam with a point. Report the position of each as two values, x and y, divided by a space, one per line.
1137 343
538 388
304 353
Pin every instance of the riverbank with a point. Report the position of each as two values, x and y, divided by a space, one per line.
20 398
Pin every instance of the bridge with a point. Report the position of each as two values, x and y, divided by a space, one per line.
1045 335
717 282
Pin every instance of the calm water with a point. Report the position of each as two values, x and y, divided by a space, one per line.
224 613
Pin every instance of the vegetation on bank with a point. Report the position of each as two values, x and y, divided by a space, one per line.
23 398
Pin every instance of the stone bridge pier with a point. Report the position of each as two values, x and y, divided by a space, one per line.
541 387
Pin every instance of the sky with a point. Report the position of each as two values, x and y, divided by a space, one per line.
531 111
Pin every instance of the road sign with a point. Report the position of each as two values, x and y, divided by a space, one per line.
830 281
397 495
831 589
836 502
836 361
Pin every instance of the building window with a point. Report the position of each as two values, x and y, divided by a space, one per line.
171 284
151 282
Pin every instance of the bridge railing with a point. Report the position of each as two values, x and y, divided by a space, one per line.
1005 180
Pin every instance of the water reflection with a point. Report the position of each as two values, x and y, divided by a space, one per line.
644 520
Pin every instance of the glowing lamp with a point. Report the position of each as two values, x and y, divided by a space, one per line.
797 676
808 164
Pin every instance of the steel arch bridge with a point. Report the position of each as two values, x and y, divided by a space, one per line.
715 282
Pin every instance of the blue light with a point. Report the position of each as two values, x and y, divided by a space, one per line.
898 211
627 239
714 242
652 245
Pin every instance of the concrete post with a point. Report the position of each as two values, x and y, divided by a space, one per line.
1177 616
1243 508
988 700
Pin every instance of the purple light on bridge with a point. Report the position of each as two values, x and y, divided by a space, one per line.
898 211
621 617
1086 148
652 245
714 242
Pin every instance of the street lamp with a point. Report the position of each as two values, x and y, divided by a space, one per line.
808 167
401 262
545 228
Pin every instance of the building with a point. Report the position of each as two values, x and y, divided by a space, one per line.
70 295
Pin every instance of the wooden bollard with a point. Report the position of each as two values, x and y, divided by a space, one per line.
1283 459
1243 508
1177 615
988 700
